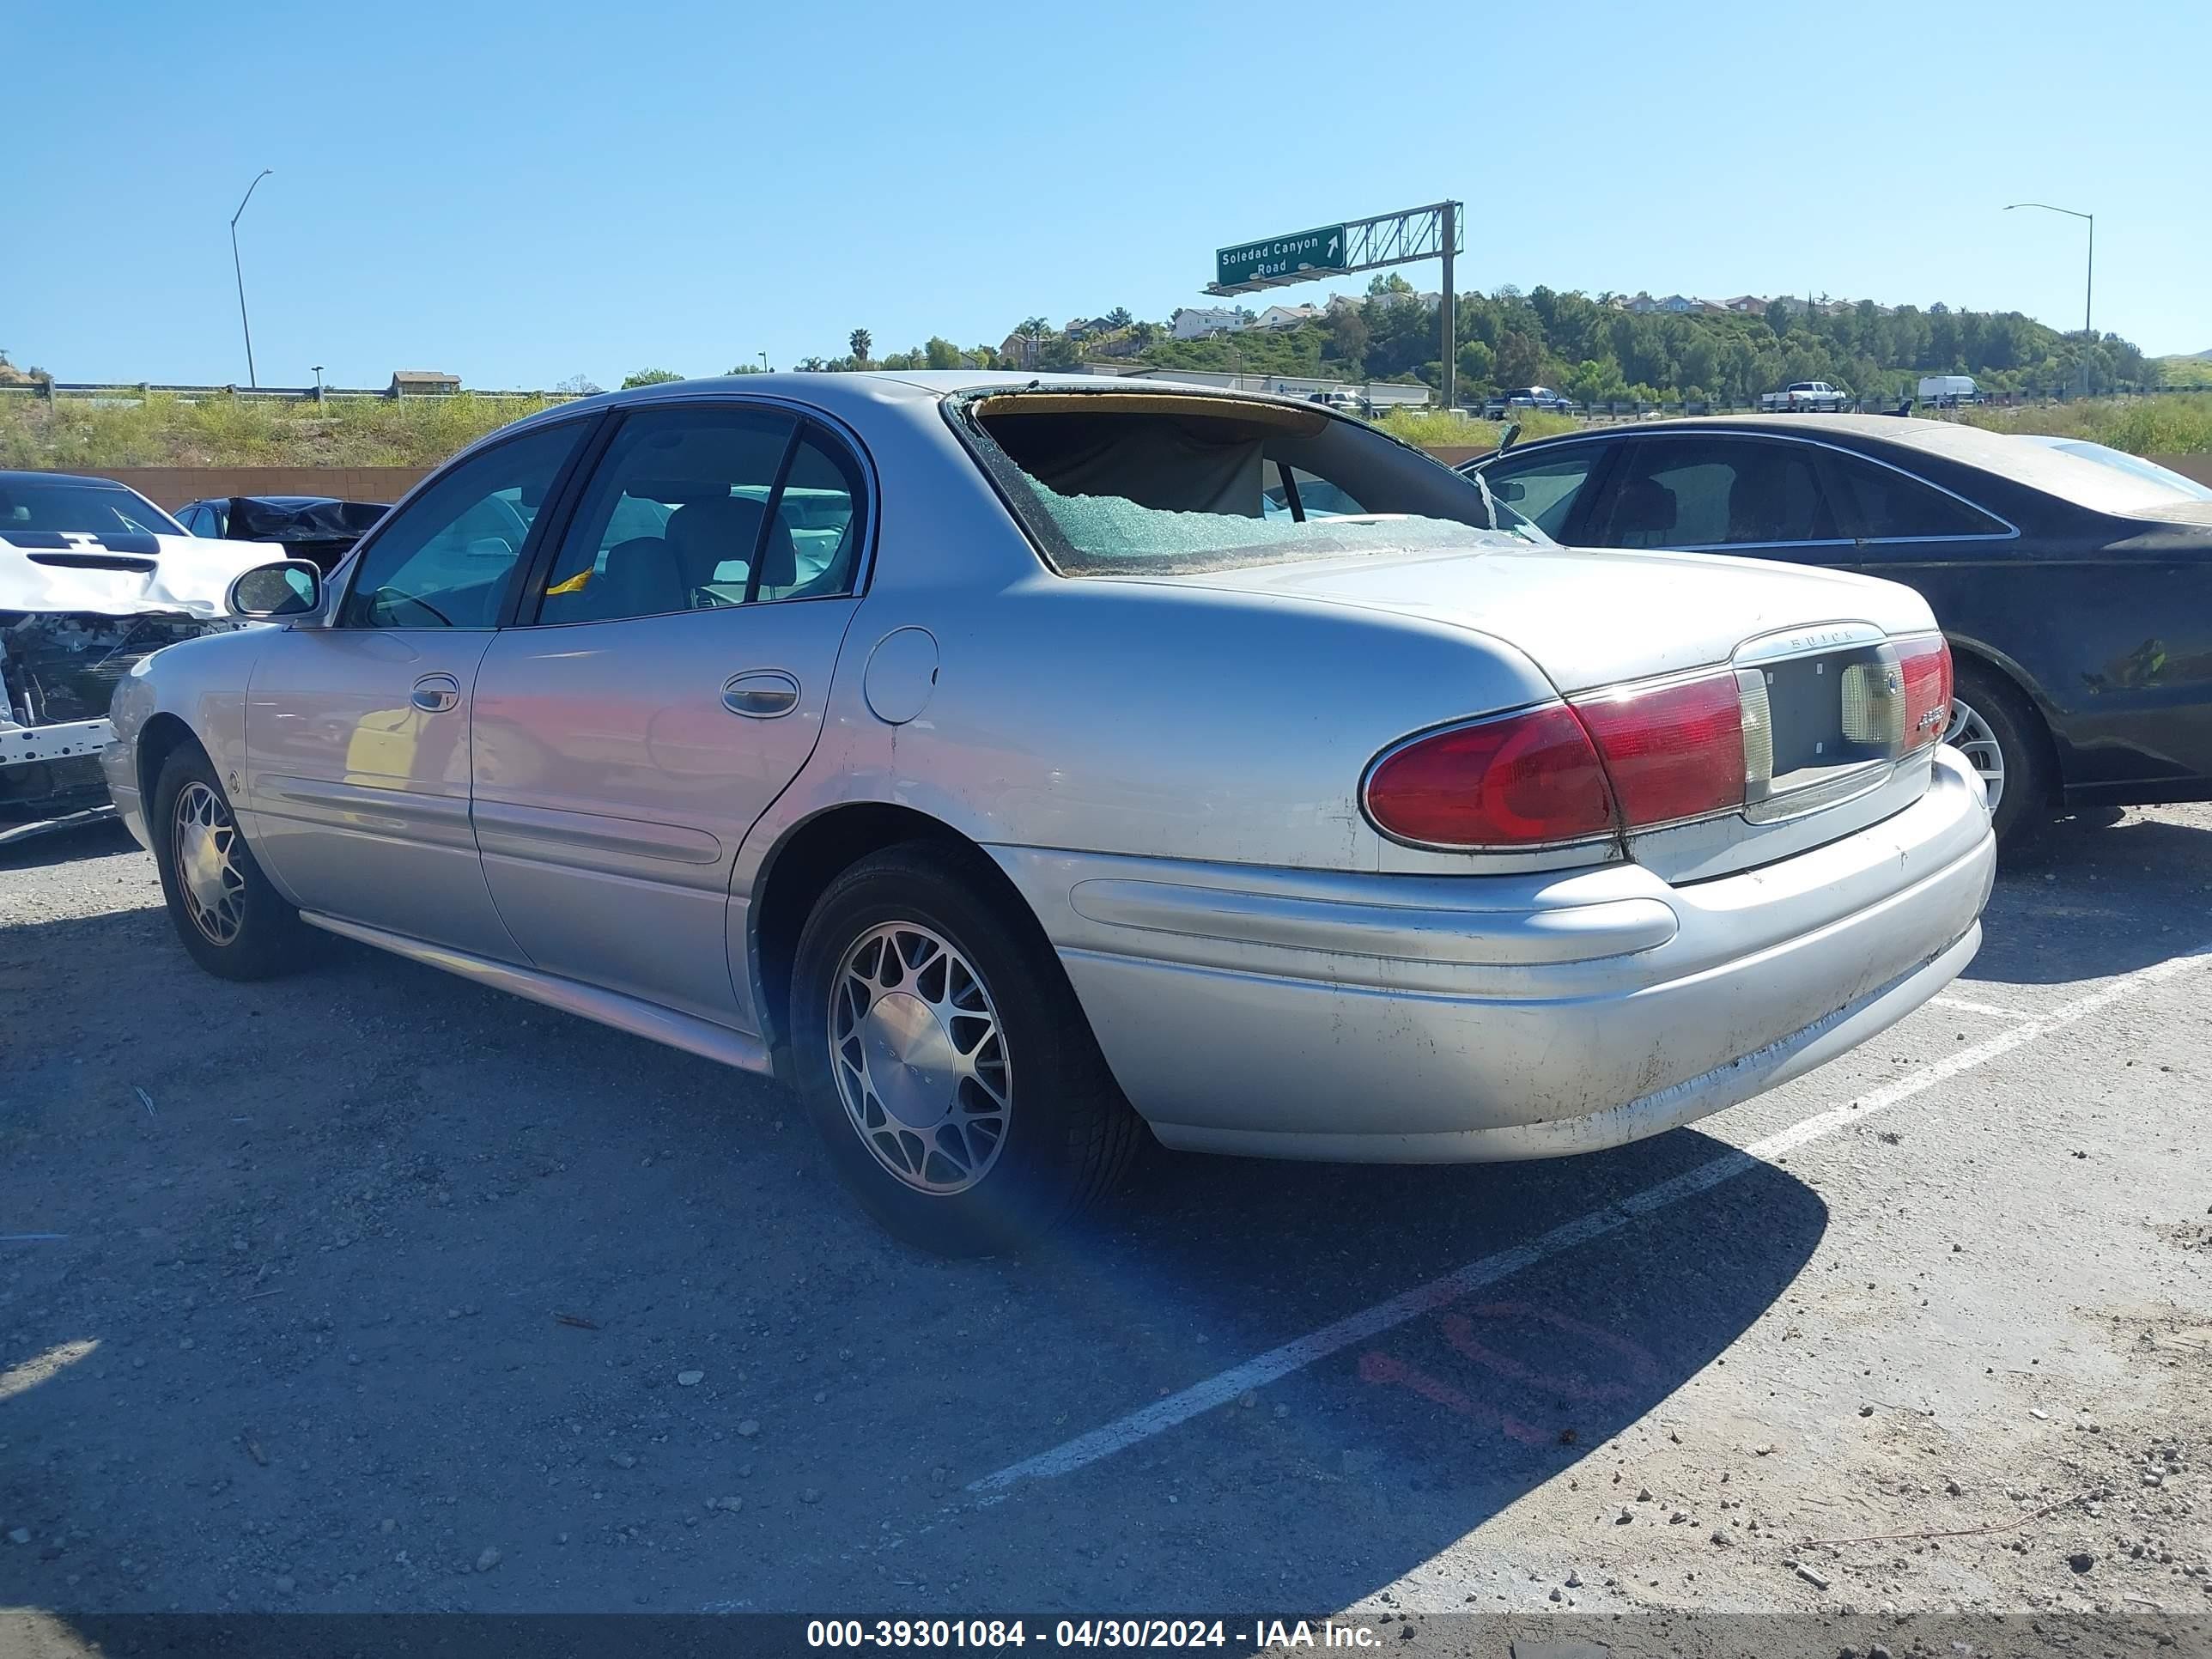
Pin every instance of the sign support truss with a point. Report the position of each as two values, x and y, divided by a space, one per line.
1434 232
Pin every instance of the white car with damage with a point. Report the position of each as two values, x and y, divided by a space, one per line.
93 578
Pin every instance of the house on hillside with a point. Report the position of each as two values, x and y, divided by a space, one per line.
1641 303
421 383
1287 316
1198 322
1747 305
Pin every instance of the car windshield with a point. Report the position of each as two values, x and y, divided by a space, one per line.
1124 484
69 507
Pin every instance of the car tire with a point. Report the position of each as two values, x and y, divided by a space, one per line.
232 921
995 1119
2001 737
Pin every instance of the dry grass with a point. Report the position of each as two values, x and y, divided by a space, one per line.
159 430
2176 425
1432 428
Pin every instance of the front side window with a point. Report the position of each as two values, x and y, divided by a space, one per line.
446 558
695 509
1543 488
1696 492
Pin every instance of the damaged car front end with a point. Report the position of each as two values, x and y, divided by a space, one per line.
57 674
93 579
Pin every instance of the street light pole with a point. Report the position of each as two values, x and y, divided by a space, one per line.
762 355
2089 283
239 271
318 383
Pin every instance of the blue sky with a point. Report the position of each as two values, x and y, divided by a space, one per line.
518 193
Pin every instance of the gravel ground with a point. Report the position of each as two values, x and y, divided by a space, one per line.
372 1289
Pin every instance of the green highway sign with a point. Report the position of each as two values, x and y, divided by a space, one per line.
1278 256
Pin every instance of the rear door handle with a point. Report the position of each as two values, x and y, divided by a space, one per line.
762 695
434 694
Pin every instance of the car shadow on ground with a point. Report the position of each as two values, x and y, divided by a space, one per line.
43 852
2095 895
371 1245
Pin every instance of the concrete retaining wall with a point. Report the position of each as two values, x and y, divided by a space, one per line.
171 486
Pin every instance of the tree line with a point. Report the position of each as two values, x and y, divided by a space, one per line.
1587 347
1596 352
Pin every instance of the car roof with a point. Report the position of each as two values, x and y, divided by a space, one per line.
847 394
25 476
2037 466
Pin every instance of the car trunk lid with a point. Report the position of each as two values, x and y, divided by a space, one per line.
1795 638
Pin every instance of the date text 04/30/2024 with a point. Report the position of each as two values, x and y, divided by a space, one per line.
1254 1635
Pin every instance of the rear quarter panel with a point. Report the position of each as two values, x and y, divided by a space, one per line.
2107 629
1122 717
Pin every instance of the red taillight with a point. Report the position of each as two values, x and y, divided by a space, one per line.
1672 751
1924 665
1632 756
1516 781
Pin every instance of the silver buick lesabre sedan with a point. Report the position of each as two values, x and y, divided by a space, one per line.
1013 766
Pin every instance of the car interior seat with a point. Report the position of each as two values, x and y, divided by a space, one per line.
708 534
1644 515
642 578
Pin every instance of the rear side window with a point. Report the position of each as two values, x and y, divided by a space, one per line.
1880 503
702 508
1702 492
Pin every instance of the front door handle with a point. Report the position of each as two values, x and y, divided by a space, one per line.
434 694
762 695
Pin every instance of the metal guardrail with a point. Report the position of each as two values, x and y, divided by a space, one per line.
51 390
1619 409
1629 409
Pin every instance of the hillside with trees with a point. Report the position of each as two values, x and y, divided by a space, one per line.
1587 347
1594 352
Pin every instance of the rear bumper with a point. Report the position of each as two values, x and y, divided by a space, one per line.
1397 1018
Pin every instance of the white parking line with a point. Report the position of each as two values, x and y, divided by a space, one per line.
1294 1356
1964 1006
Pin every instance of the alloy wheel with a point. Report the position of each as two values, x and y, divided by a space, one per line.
1969 734
919 1057
204 841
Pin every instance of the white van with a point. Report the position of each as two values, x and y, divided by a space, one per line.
1944 390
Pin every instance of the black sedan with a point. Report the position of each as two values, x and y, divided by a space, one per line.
320 529
2075 582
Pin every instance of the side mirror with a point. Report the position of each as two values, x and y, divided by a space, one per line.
1510 489
291 588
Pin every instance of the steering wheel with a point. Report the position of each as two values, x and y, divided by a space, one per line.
387 597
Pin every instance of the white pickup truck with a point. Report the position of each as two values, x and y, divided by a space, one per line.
1801 395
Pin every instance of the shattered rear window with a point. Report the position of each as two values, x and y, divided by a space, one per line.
1161 479
1111 535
